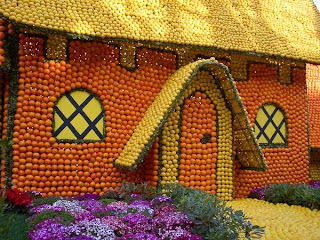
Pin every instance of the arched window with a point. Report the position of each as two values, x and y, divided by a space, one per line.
78 116
271 126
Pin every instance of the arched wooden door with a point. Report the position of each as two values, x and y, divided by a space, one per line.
198 143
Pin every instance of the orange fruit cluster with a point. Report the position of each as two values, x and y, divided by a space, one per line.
198 143
285 164
3 31
313 85
41 163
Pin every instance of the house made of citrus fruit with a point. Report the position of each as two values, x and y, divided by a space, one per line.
209 94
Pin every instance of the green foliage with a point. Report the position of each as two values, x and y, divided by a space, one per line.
212 218
143 189
300 194
6 220
106 201
111 194
104 213
62 217
13 226
5 146
47 200
3 204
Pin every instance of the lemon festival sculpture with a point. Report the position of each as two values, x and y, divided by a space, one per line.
209 94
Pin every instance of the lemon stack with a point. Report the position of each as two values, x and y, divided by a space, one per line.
281 221
286 28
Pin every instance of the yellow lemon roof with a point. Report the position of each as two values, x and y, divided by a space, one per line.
286 28
248 150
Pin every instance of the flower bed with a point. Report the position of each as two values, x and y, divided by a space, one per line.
305 195
89 217
182 214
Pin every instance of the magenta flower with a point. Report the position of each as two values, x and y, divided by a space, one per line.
49 230
138 222
118 206
94 228
119 227
140 206
88 196
72 207
162 210
179 234
170 221
45 207
140 236
161 200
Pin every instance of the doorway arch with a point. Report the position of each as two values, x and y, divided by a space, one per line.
176 155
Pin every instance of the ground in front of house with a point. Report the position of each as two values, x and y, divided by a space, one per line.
281 221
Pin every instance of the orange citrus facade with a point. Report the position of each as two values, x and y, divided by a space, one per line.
143 98
44 163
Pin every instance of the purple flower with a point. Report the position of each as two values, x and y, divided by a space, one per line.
134 195
82 237
118 206
170 221
160 200
258 193
72 207
140 206
140 236
88 196
84 216
49 230
116 224
93 206
166 223
94 228
179 234
134 218
45 207
314 184
140 203
138 222
164 210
